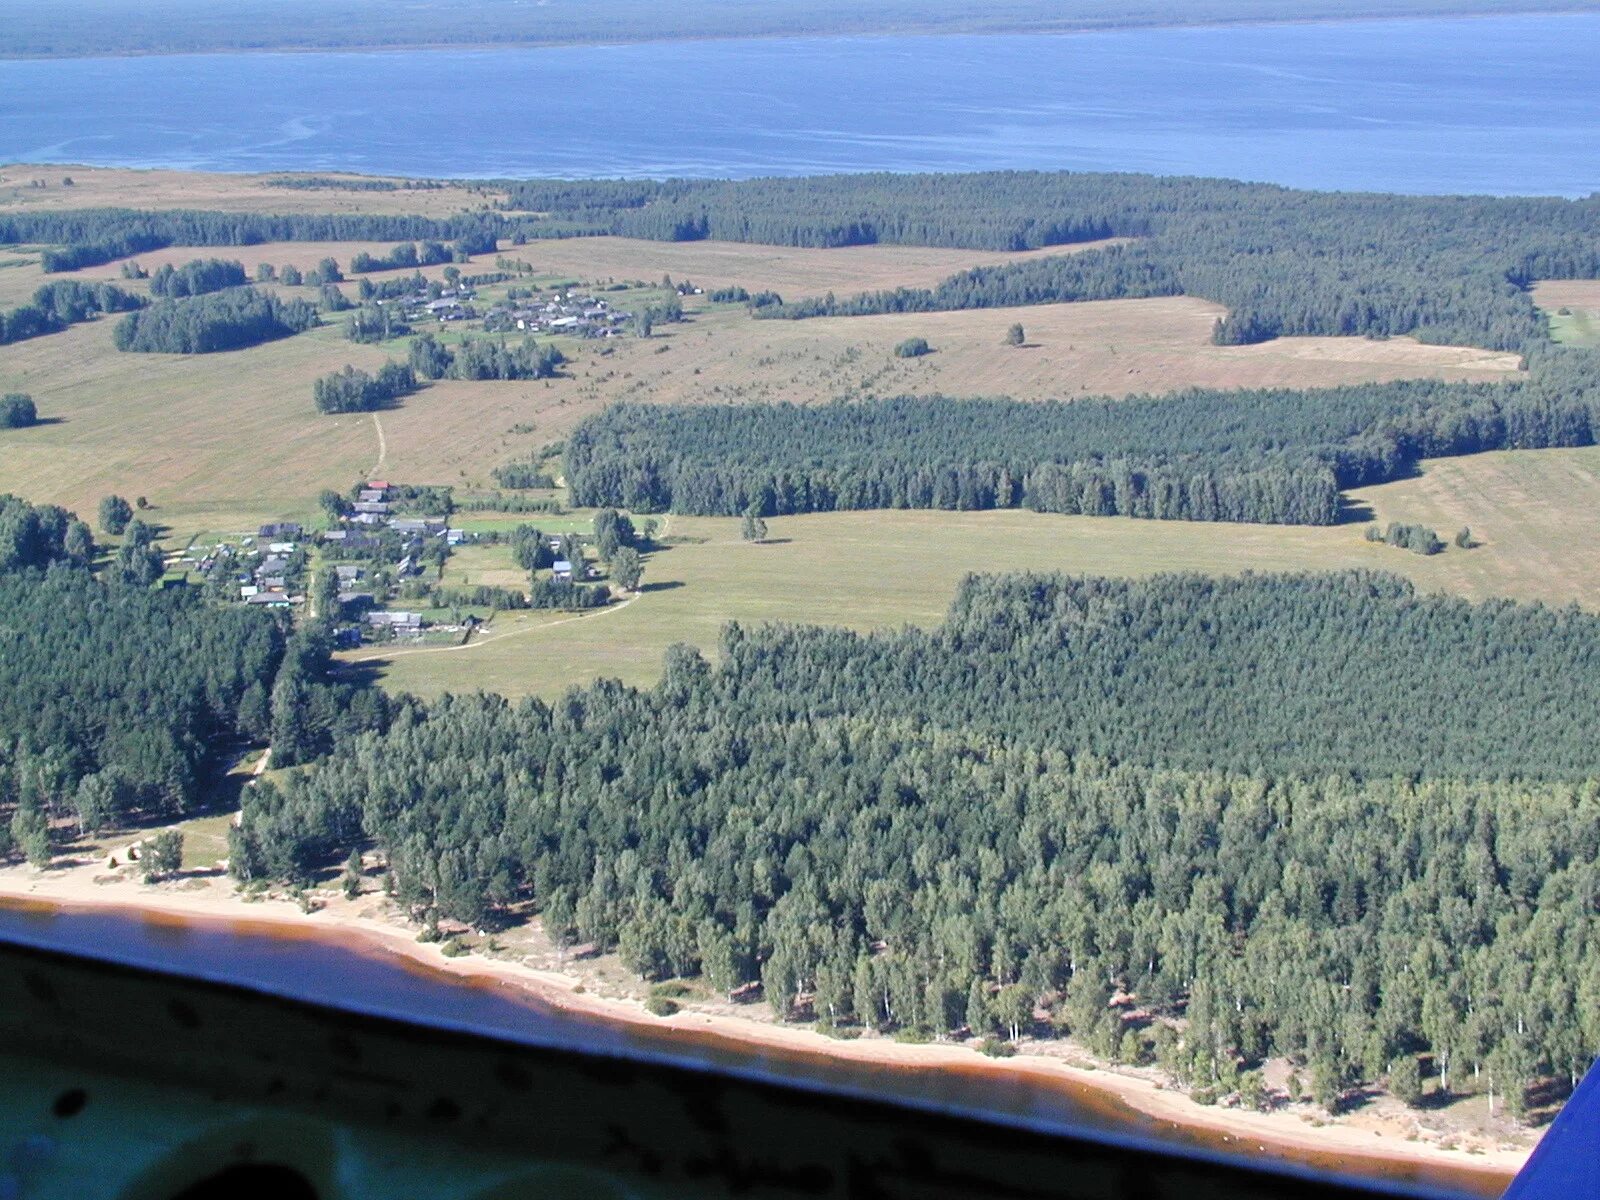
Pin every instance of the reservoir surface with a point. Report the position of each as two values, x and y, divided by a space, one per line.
1490 105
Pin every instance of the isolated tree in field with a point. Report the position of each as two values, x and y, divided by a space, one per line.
115 513
1015 335
754 528
914 347
17 411
626 568
1463 538
163 854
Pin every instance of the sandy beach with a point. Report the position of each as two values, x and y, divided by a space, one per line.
1382 1146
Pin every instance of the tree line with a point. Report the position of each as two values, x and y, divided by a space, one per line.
90 237
1266 455
62 303
353 390
426 254
474 358
197 277
1205 821
205 324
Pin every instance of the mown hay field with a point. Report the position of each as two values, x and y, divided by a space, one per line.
1528 512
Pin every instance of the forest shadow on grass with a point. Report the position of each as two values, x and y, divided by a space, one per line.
664 585
1354 512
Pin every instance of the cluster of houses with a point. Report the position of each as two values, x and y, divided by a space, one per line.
269 568
450 306
568 314
373 511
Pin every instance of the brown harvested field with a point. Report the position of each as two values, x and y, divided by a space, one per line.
791 271
208 438
1531 511
235 433
1573 306
20 275
1111 347
118 187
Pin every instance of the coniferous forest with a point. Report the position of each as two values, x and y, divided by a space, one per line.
1320 816
1276 456
1316 815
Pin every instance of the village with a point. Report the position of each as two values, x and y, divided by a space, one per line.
568 313
376 566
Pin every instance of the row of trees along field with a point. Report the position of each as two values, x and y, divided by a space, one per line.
197 277
1277 456
227 320
113 695
1448 269
483 358
1311 815
78 238
60 304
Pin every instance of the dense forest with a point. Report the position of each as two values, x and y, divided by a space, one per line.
58 305
114 696
1317 816
1449 269
228 320
1275 456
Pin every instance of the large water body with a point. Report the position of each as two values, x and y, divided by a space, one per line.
1493 105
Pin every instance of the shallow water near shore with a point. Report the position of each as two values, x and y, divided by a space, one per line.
343 968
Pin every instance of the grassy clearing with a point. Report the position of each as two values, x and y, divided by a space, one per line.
1532 511
1573 306
205 841
1527 511
217 441
861 570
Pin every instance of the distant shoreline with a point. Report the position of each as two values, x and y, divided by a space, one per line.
1019 29
85 886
